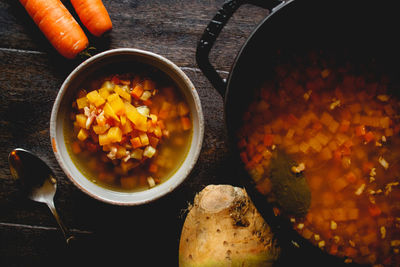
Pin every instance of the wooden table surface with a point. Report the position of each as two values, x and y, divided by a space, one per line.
31 73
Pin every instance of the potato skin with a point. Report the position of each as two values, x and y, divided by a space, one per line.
223 228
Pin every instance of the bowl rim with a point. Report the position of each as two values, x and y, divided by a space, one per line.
195 146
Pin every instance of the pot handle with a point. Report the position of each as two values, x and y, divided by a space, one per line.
213 30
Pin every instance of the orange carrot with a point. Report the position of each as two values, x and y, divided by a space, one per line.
93 15
58 25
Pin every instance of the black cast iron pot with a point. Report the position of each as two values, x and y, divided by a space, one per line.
352 30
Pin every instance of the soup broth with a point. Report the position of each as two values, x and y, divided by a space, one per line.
129 131
340 123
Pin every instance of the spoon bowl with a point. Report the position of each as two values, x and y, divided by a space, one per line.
37 181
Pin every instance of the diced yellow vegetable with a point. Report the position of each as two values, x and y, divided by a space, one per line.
127 127
108 85
323 139
82 102
114 134
116 103
104 92
123 120
104 140
95 98
122 93
148 85
121 152
149 151
144 139
314 143
109 111
137 154
83 134
100 129
81 120
134 116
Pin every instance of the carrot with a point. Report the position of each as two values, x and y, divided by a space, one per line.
93 15
58 25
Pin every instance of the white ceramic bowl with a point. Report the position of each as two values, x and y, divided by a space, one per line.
65 98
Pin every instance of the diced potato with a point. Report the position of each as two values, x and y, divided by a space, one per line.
104 140
104 92
137 154
82 102
121 152
100 129
134 116
145 111
122 93
116 103
149 151
83 134
109 112
95 98
145 95
81 120
114 134
108 85
127 127
183 109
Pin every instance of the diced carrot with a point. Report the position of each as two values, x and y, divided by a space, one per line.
153 168
186 124
136 142
333 249
353 213
348 143
360 130
137 91
328 199
317 126
257 158
351 177
367 166
115 79
369 136
339 184
76 148
337 156
339 215
344 126
350 252
374 210
153 141
268 139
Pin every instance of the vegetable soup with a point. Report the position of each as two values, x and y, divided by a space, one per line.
340 125
130 131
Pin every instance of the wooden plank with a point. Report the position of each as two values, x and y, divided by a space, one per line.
171 28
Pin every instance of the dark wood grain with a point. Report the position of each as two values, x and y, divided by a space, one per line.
31 73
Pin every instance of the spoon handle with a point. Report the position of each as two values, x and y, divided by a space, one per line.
67 235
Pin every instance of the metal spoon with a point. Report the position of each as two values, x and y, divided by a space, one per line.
37 181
